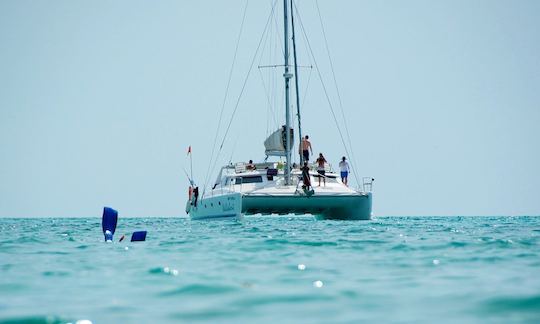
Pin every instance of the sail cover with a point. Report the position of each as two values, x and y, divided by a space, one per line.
275 143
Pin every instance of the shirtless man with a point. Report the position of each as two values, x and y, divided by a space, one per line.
250 165
305 148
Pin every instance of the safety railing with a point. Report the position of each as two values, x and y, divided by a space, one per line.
235 181
367 184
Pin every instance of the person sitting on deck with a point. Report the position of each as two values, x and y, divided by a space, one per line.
320 168
250 165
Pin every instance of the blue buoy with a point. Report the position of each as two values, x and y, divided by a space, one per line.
138 236
108 223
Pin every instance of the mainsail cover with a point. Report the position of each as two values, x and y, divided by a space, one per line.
275 143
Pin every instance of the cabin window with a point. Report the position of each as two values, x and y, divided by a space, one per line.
244 180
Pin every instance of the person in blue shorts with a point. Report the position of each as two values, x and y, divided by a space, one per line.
344 169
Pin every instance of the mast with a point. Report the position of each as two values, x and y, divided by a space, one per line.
296 86
287 75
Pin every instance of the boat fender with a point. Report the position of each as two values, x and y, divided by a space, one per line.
108 223
190 192
138 236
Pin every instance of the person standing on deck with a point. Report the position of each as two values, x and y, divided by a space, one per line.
305 148
305 176
344 169
320 168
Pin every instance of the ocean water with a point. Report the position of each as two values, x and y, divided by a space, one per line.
274 269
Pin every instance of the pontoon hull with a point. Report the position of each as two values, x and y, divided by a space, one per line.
342 207
230 205
214 207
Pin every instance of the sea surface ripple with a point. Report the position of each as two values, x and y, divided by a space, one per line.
268 269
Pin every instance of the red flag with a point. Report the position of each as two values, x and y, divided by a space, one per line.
189 150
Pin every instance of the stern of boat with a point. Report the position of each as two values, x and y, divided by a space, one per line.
354 208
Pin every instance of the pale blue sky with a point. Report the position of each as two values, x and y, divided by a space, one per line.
99 101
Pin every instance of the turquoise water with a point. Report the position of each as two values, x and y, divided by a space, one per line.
391 269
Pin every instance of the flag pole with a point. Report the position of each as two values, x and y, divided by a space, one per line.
190 164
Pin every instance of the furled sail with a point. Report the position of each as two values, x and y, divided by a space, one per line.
275 143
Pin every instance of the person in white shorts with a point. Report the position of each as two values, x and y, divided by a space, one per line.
320 168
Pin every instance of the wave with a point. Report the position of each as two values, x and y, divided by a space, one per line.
36 319
511 304
199 289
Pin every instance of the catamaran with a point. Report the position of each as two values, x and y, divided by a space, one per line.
279 187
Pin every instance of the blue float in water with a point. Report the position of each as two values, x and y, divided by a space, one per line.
138 236
108 223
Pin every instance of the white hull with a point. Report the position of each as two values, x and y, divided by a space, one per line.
228 205
234 198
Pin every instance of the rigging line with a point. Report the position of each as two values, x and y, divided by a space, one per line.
307 86
322 83
234 147
267 41
266 36
337 90
267 96
296 77
310 64
226 93
275 53
270 36
271 75
280 41
243 87
268 104
282 65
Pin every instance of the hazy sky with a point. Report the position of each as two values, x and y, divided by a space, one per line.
99 101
